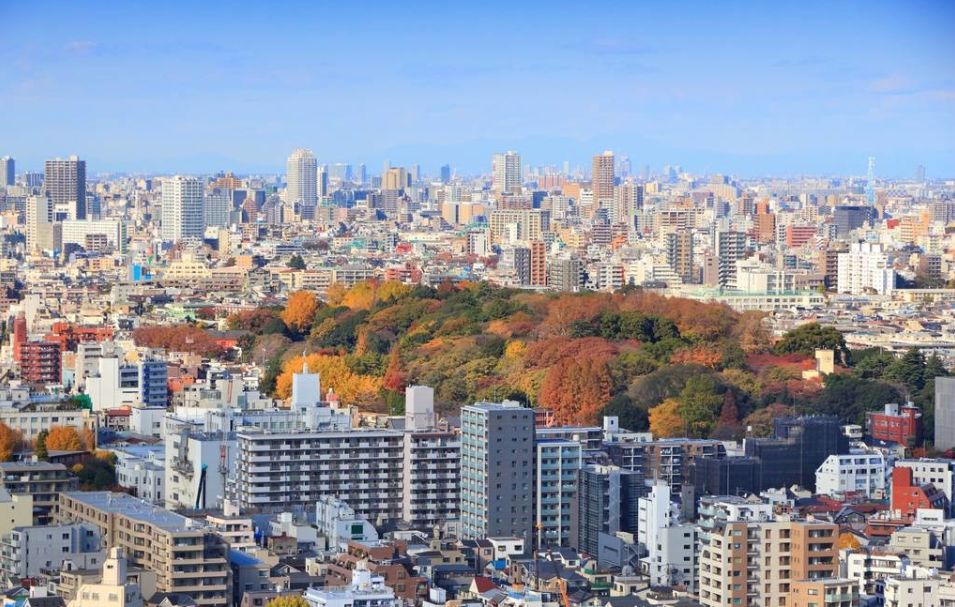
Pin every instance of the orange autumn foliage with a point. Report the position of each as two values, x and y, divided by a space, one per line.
698 355
10 442
300 311
577 389
64 438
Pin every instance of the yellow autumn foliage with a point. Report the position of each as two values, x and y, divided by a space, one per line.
351 388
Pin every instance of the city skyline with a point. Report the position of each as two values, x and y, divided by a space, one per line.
734 89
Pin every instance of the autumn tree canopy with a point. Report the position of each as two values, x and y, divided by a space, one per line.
300 311
577 389
10 441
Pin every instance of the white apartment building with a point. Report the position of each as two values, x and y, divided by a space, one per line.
142 469
182 215
865 267
197 465
871 566
671 545
506 172
76 231
863 473
280 470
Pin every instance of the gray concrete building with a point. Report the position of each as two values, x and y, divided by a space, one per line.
31 551
497 471
944 413
608 501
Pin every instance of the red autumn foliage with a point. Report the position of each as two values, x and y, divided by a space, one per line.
547 352
393 379
178 338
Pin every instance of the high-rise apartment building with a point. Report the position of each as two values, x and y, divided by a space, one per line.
276 471
216 208
865 268
301 176
680 254
608 499
729 246
513 225
506 172
603 180
944 413
555 490
497 471
39 219
538 264
182 208
8 171
431 464
751 564
65 184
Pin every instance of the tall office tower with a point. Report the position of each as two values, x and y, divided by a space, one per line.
865 268
65 183
920 174
39 220
446 173
216 208
182 203
497 471
395 178
361 177
608 499
506 172
301 174
321 185
848 218
680 254
944 413
8 171
603 178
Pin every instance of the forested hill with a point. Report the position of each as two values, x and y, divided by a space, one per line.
673 365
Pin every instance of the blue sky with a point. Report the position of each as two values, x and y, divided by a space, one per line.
738 87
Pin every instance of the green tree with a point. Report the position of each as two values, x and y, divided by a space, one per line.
699 403
40 450
296 262
908 370
810 337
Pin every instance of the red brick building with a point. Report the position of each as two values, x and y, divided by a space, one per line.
907 497
895 424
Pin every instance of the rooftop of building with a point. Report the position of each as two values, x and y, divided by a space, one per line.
134 508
